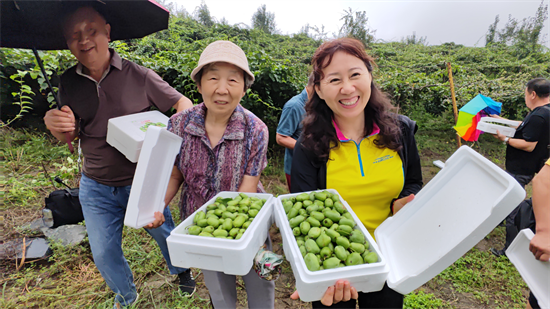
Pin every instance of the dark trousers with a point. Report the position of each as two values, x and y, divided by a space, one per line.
385 298
511 229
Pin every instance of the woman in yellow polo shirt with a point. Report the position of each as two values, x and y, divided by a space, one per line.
352 142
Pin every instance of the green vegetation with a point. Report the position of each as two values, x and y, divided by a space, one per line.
414 75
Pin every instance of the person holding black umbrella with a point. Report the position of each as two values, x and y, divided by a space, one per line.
102 86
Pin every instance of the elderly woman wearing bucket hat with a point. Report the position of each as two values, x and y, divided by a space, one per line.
224 149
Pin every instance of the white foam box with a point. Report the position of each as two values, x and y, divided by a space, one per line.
127 133
311 285
535 273
463 203
491 125
152 175
231 256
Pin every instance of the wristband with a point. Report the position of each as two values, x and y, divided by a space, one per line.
506 139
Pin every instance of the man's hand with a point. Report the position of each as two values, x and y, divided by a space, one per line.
499 136
540 246
400 203
159 220
60 121
62 124
341 291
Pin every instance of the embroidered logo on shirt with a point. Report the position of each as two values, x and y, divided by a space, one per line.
384 158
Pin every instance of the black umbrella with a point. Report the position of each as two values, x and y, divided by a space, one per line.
38 24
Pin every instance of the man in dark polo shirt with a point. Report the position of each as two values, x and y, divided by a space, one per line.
527 151
102 86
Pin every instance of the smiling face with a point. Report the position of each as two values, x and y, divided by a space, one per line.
345 87
88 37
222 88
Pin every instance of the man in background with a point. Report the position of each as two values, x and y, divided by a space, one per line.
102 86
527 151
290 124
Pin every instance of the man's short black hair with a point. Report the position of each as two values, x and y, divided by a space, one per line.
540 86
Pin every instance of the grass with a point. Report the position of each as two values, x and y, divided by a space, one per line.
69 278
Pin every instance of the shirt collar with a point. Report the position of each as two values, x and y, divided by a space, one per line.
343 138
116 62
234 130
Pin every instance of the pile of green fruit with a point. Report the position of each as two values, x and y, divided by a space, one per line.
226 217
326 232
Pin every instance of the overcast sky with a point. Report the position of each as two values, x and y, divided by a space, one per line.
460 21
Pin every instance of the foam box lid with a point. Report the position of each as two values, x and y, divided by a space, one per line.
153 170
535 273
463 203
126 133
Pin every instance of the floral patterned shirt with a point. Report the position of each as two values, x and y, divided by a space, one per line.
208 170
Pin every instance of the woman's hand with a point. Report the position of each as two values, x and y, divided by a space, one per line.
341 291
398 204
159 220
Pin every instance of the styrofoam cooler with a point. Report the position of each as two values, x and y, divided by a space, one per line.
127 133
491 125
464 202
535 273
311 285
231 256
152 175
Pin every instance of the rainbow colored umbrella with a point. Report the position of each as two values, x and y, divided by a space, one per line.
470 114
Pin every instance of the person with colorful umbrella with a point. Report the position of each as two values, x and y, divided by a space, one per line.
529 148
102 86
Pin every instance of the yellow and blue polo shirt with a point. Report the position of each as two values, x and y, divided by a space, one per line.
367 177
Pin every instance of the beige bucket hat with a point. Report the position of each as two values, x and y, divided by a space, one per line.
223 51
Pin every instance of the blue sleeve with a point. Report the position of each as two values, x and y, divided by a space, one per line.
290 119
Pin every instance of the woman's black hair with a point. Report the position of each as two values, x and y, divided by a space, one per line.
319 135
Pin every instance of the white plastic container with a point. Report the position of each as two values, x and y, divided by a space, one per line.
451 214
311 285
127 133
233 257
153 170
491 125
535 273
